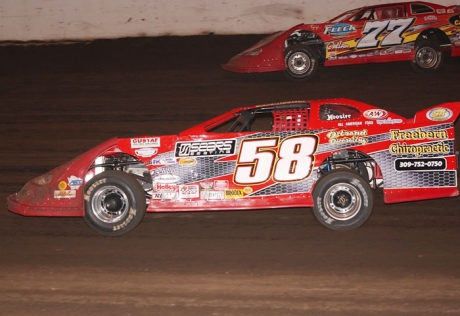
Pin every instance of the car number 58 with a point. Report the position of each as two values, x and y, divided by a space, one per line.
260 160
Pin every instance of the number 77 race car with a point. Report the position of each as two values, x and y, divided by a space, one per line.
325 154
416 31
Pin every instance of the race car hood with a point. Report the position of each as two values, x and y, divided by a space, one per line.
263 42
58 192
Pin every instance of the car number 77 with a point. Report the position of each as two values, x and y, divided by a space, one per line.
259 160
374 29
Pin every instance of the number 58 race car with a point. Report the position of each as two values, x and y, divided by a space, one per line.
325 154
419 32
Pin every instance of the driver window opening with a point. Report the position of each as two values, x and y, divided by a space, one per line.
390 12
246 121
364 15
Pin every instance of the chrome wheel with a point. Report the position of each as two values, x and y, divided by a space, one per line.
343 201
109 204
299 63
426 57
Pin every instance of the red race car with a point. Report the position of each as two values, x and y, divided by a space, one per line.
326 154
419 32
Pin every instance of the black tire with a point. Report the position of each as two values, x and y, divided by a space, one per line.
343 200
428 56
115 203
301 62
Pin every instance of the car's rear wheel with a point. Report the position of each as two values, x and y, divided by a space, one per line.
428 56
343 200
301 62
115 203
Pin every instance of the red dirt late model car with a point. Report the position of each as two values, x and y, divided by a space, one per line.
326 154
419 32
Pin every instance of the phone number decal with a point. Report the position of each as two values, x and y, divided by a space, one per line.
423 164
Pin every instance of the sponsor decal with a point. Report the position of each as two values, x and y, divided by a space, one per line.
164 196
420 164
206 185
62 185
353 123
163 161
190 191
220 185
165 170
339 29
247 190
430 18
234 194
417 150
387 51
389 121
337 46
375 114
166 188
74 182
212 195
347 137
334 117
439 114
187 161
440 11
166 178
205 148
146 152
418 134
144 142
65 194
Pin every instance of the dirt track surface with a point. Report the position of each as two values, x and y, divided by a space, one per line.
60 100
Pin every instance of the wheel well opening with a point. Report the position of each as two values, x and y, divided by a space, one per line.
125 163
356 161
435 35
304 37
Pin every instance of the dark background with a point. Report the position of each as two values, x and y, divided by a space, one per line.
59 100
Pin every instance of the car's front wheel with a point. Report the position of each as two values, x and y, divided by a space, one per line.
301 62
428 56
115 203
342 199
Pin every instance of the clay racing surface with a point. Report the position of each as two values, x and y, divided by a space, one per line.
58 101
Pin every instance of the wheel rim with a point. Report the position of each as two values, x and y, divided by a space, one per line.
299 63
109 204
426 57
342 201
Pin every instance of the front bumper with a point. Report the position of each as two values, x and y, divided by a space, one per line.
24 209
